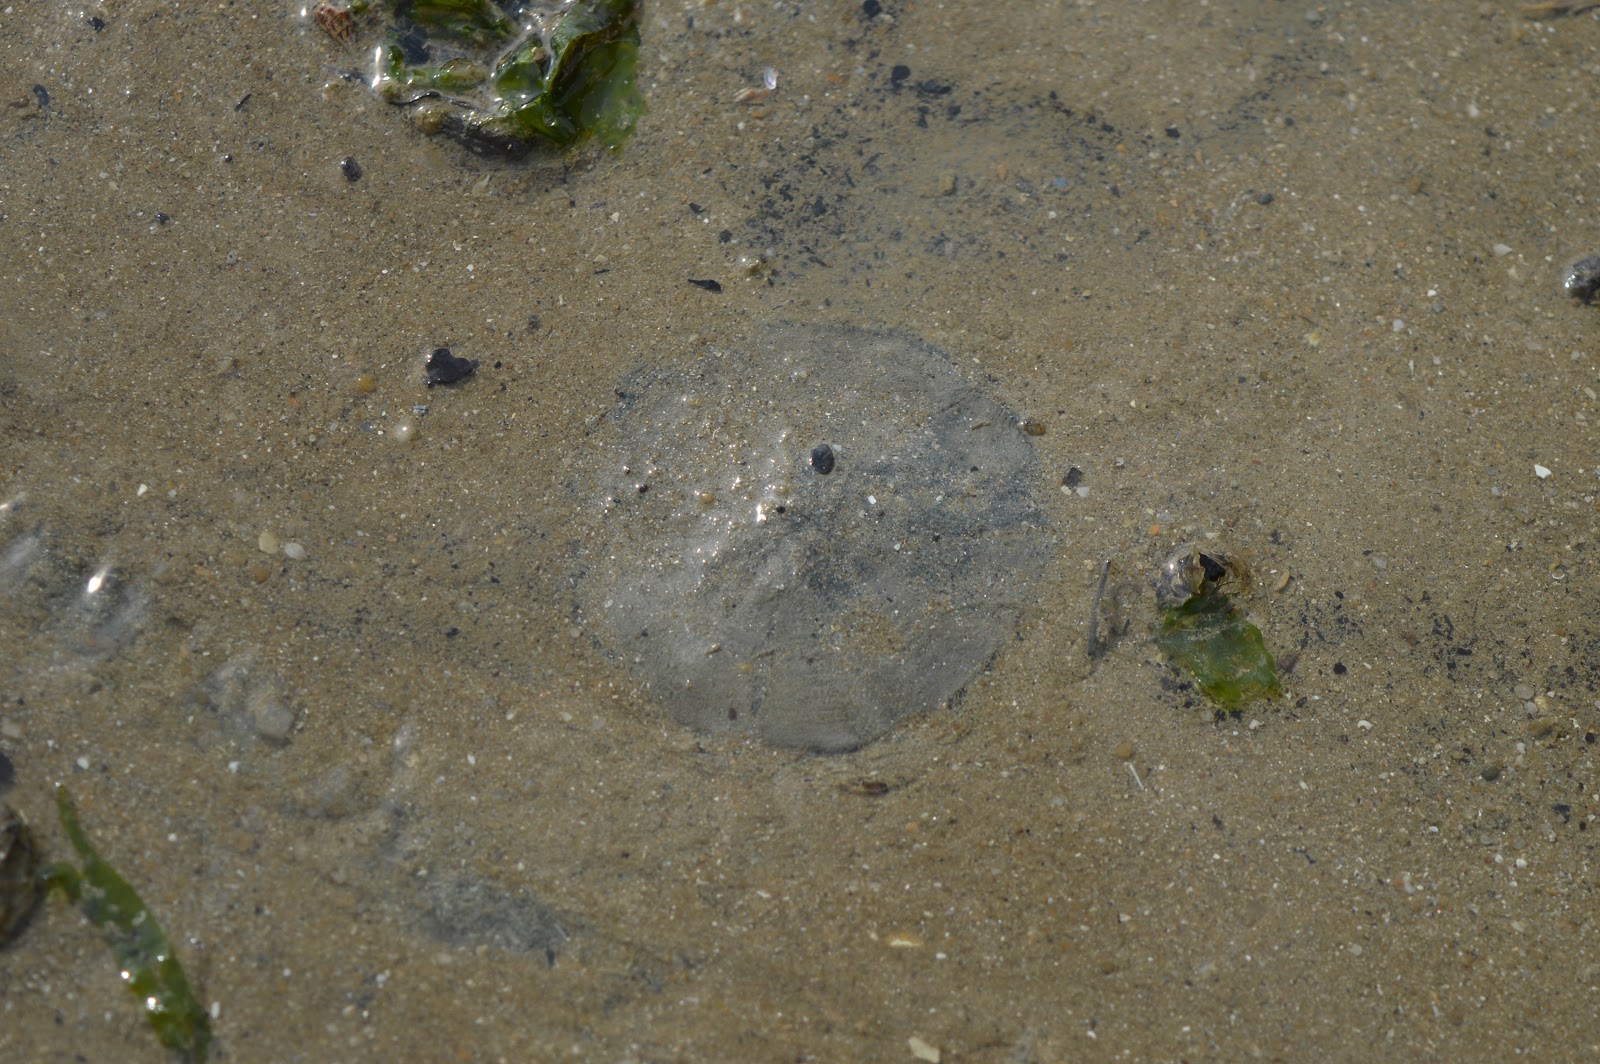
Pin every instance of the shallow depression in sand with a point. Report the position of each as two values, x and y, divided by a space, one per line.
811 534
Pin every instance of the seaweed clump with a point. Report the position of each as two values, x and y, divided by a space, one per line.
504 85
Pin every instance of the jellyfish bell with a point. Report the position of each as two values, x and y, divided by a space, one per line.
810 593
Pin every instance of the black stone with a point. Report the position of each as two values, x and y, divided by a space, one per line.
8 774
708 285
822 459
351 169
445 368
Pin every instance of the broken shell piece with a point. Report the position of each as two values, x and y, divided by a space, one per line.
1190 571
769 85
19 868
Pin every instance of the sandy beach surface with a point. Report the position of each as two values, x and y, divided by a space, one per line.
314 645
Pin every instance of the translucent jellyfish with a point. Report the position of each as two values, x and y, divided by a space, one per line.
810 535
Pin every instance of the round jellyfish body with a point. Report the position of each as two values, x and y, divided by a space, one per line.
811 535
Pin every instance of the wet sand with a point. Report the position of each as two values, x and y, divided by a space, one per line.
1279 278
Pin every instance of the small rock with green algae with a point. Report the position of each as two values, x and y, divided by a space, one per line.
1202 631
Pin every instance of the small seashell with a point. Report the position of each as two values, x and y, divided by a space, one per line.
1189 571
335 20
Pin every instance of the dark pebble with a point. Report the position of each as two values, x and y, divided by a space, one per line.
871 8
899 73
445 368
822 459
8 774
1073 478
708 285
43 96
1582 279
351 168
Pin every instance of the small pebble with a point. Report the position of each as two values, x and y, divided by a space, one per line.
1540 471
822 459
445 368
1582 279
350 168
295 551
272 719
429 116
268 543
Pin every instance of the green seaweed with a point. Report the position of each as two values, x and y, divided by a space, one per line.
144 954
479 23
454 75
1212 639
581 79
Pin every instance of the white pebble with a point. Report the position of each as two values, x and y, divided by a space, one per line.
295 551
1540 471
1501 249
